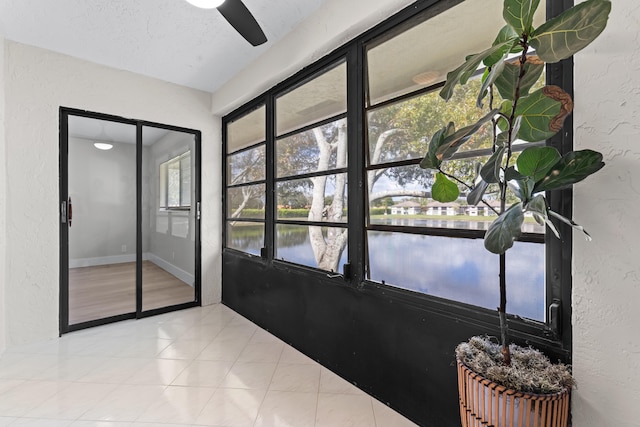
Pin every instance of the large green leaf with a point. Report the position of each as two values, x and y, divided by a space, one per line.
430 160
490 172
538 207
490 79
574 29
506 34
504 230
444 190
571 168
475 196
522 188
507 81
470 66
536 161
543 113
519 14
453 141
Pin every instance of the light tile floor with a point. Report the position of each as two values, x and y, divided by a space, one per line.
205 366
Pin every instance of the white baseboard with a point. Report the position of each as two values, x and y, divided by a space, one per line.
185 276
103 260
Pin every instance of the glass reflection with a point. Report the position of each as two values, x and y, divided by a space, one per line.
169 217
319 247
459 269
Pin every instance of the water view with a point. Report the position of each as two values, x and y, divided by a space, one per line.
456 269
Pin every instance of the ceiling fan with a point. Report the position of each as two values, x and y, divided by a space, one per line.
237 14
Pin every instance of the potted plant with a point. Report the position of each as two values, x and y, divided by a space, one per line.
489 395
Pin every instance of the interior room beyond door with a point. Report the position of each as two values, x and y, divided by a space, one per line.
129 214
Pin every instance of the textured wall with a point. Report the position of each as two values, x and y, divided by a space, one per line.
606 286
37 83
3 194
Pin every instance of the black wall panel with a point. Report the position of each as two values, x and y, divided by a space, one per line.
398 352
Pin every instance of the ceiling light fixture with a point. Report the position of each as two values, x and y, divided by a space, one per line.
427 78
102 146
206 4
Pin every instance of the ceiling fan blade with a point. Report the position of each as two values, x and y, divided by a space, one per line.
243 21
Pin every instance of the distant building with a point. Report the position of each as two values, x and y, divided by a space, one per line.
406 208
438 208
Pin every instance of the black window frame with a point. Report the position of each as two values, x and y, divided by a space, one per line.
554 335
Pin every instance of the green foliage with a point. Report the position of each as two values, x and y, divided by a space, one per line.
536 161
543 113
527 113
519 15
507 80
293 213
531 117
504 230
253 213
571 31
462 73
378 211
444 190
571 168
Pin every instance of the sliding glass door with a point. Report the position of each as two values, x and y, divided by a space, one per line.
129 214
169 221
101 221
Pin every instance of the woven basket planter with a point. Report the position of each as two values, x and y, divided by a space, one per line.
484 403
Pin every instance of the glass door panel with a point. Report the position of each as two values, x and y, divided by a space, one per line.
101 219
169 211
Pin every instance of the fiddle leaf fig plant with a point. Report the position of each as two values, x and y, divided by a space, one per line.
512 66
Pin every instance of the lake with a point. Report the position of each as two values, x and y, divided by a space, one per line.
453 268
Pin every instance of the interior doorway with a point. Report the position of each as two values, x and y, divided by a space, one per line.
129 214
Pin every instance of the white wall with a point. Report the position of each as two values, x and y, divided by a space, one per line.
170 234
102 189
37 83
606 271
606 288
3 193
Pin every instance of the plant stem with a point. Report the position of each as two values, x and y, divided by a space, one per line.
502 311
461 182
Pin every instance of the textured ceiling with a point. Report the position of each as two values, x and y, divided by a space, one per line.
166 39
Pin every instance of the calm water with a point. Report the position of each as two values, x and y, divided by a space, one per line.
457 269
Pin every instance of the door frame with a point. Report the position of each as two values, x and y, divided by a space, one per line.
64 114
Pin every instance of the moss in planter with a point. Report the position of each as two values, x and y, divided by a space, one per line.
530 370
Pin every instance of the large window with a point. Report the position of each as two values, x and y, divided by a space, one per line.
246 198
311 165
357 124
414 242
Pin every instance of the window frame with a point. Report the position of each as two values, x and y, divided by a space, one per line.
176 159
557 252
251 107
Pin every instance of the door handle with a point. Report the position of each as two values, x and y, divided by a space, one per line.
63 212
66 212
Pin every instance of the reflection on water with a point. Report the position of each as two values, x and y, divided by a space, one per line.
457 269
528 227
293 244
246 237
460 269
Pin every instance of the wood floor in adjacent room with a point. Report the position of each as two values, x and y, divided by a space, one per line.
109 290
